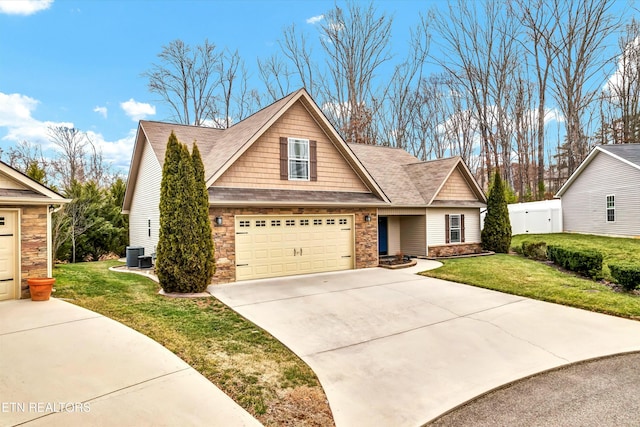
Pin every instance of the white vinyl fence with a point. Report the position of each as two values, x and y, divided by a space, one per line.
535 217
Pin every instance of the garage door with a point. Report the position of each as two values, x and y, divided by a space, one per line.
7 255
272 246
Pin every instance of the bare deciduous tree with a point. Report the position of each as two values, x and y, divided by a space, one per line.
25 155
185 79
540 27
70 165
355 41
275 76
481 54
620 109
578 47
232 81
400 99
295 47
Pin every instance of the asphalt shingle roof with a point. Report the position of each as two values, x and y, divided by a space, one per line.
241 195
405 179
629 152
216 146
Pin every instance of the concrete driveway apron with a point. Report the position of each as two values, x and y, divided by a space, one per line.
392 348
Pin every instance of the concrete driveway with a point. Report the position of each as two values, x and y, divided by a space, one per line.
62 365
394 348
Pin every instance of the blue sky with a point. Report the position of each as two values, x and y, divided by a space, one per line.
79 63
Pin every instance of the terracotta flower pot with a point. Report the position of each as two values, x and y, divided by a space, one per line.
40 288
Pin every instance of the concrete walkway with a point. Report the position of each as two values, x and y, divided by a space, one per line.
394 348
62 365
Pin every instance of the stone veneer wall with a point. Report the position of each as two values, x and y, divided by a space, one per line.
33 242
455 249
366 235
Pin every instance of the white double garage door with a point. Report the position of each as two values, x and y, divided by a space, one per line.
284 245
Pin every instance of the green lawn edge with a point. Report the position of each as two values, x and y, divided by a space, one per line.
520 276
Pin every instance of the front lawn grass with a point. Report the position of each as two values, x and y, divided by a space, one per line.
517 275
247 363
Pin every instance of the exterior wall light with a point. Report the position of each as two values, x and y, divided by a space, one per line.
218 220
367 218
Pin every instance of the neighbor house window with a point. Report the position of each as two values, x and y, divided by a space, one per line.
454 228
611 208
298 159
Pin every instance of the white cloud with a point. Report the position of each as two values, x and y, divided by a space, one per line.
101 110
218 122
336 109
553 115
137 110
24 7
315 19
16 117
626 72
15 108
118 153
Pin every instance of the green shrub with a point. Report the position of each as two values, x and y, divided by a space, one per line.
496 233
184 260
205 267
627 275
535 250
586 262
517 248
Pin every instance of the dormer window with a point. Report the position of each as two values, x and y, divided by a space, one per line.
298 159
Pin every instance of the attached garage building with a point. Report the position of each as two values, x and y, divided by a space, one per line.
287 195
25 231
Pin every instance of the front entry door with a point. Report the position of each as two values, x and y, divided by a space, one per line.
383 236
8 255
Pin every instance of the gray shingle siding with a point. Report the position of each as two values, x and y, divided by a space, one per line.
584 202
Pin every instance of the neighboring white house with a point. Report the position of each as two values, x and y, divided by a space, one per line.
603 195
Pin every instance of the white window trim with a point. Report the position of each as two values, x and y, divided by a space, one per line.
607 208
459 228
307 160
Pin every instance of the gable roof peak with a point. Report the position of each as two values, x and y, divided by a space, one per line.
626 153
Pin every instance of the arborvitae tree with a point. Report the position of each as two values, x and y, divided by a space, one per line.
496 234
167 266
190 262
175 218
206 265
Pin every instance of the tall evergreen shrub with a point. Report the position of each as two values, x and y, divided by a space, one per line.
496 234
206 264
179 264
